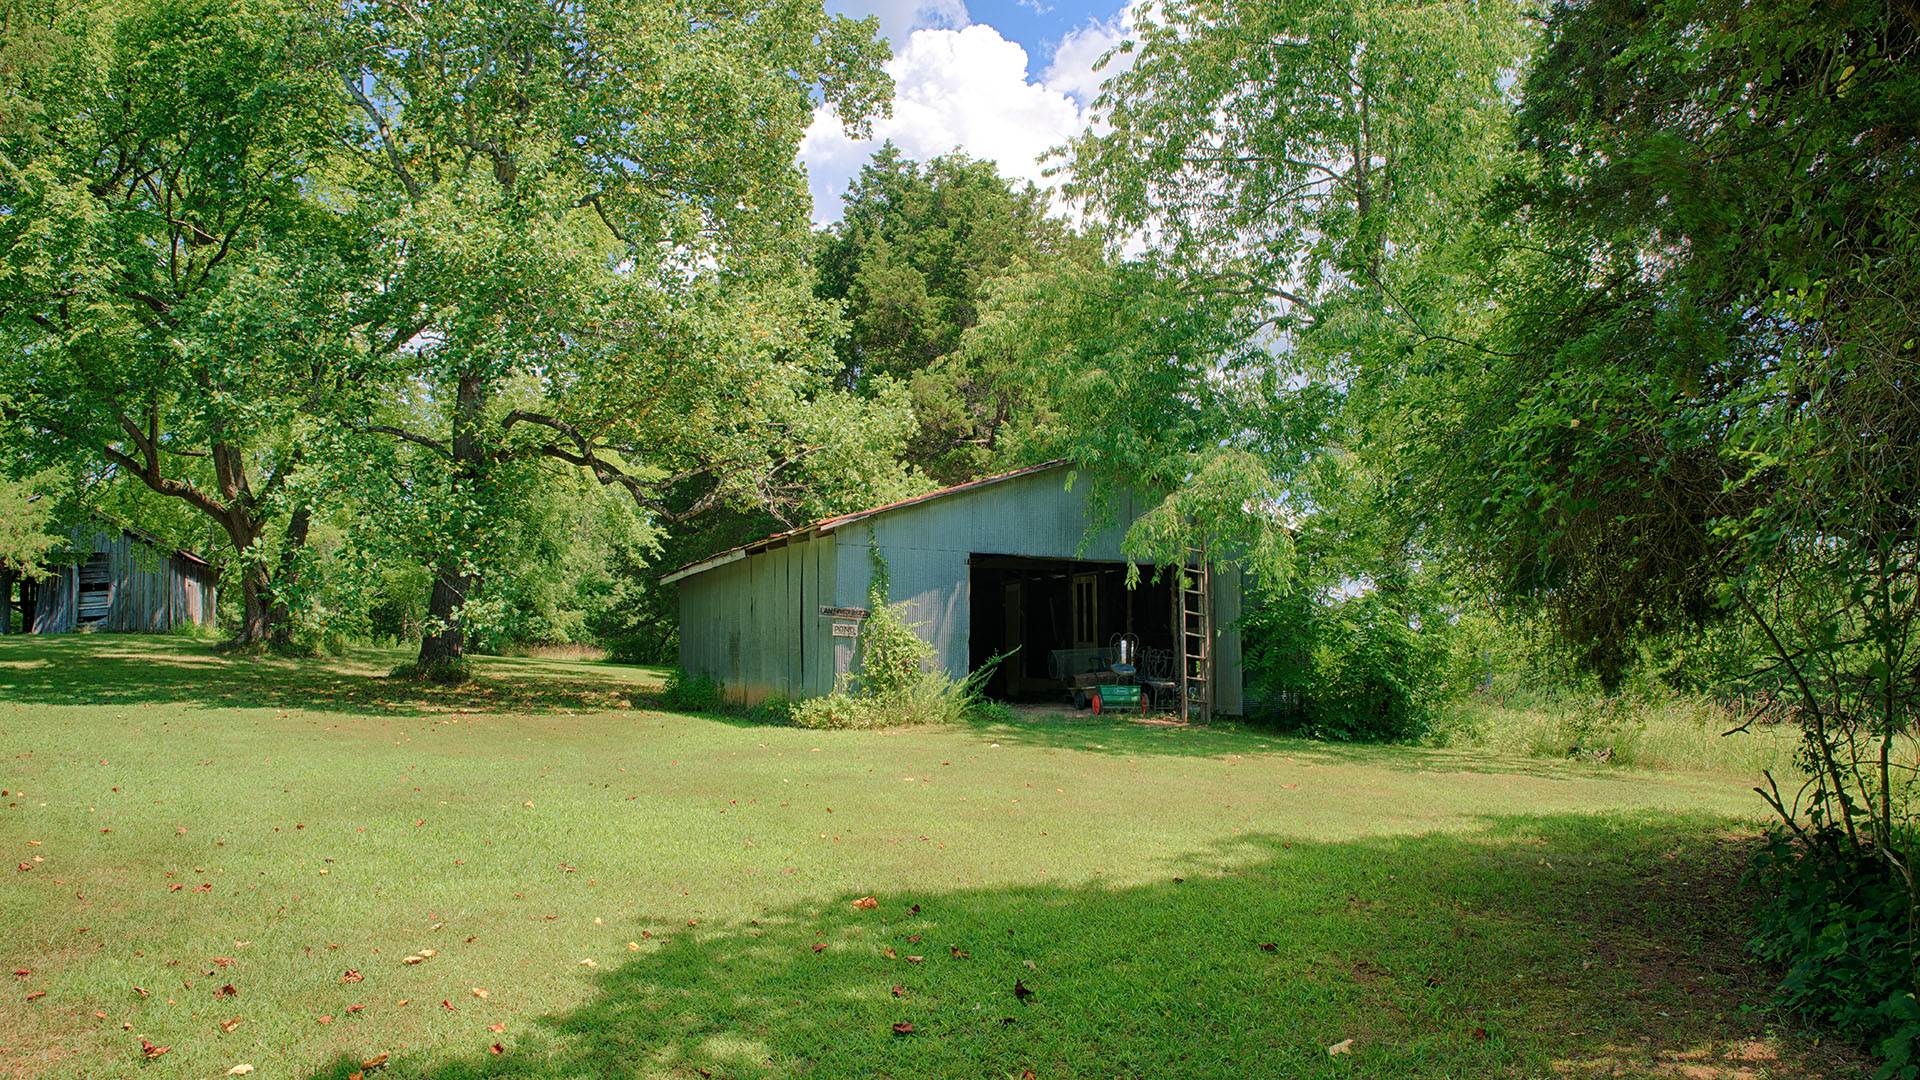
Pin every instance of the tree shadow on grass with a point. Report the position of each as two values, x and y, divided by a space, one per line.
1129 736
136 669
1581 946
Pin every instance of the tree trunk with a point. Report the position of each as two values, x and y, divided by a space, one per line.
449 596
6 601
451 580
255 584
254 588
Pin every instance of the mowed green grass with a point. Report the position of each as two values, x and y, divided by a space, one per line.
613 890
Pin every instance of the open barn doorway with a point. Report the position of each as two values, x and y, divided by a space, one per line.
1057 617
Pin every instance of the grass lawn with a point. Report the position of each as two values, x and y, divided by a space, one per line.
591 887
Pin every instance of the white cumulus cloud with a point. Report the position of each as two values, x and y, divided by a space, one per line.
953 90
1072 69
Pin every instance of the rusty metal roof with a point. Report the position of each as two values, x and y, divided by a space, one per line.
828 524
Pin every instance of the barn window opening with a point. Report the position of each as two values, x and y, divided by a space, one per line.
1058 619
96 589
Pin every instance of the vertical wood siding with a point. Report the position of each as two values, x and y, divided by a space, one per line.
149 590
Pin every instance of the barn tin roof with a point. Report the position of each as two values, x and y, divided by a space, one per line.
828 524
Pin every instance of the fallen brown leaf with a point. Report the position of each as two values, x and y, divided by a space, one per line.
226 991
867 903
819 946
497 1028
377 1061
1344 1046
498 1049
901 1027
352 975
150 1050
228 1025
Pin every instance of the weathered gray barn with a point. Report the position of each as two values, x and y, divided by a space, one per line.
129 582
984 568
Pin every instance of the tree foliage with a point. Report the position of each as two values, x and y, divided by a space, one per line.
156 162
916 254
588 223
1696 400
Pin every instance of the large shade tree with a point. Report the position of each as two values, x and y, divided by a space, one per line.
589 232
1284 181
156 162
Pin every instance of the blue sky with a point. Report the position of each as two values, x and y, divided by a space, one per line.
1003 80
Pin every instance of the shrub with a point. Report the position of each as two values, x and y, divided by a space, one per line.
693 691
1836 919
1348 669
931 697
776 711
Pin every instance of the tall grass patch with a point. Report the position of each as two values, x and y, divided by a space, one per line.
1694 734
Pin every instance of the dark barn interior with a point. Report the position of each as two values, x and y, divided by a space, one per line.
1043 605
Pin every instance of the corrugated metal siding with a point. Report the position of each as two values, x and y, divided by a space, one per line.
927 545
755 625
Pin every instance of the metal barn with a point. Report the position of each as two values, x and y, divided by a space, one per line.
984 568
130 582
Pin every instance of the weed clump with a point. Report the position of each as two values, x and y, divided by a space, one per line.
693 691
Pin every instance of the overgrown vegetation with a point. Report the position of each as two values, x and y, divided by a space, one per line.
693 691
893 686
1838 921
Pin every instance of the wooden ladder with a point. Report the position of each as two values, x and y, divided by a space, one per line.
1194 608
